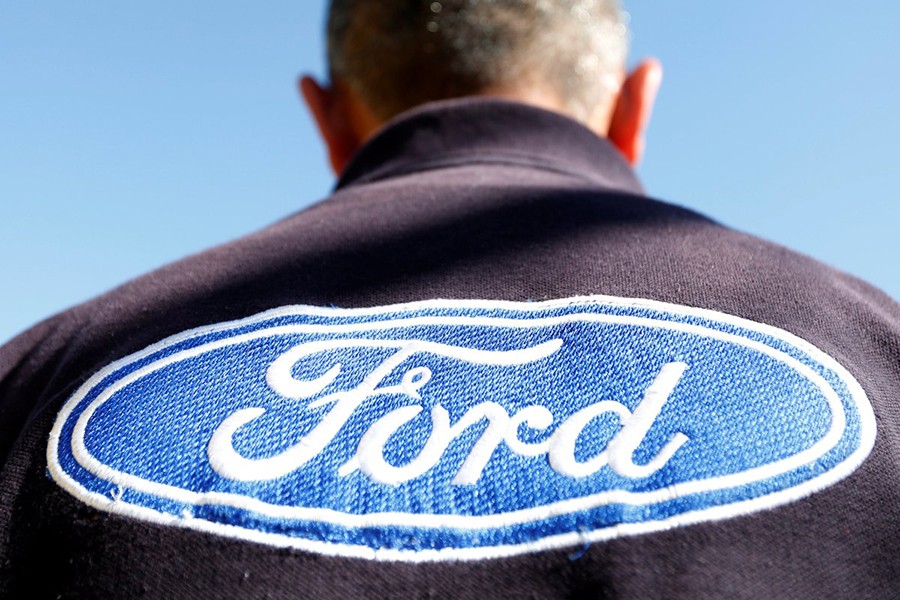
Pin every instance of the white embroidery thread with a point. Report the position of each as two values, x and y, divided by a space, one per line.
534 419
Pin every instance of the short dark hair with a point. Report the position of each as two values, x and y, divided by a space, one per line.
399 54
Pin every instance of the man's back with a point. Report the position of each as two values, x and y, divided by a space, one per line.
470 202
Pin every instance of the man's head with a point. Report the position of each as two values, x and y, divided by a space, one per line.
570 50
387 56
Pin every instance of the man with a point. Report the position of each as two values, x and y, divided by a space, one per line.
487 366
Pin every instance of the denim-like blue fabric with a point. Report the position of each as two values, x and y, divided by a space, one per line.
739 408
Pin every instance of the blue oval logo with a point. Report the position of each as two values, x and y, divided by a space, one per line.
461 429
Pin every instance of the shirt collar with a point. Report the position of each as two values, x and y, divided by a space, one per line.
479 130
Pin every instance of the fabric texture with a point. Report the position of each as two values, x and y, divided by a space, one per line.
470 199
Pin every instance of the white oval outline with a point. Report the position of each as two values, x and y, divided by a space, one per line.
436 521
820 448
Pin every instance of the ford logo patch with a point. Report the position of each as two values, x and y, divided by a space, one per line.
448 430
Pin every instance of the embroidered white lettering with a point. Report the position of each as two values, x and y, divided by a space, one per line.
370 452
498 424
227 462
636 426
534 417
369 458
562 444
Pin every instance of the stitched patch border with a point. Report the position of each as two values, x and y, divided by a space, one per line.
83 475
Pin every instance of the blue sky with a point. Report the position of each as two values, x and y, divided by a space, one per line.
134 134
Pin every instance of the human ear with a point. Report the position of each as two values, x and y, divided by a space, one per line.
632 110
335 126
